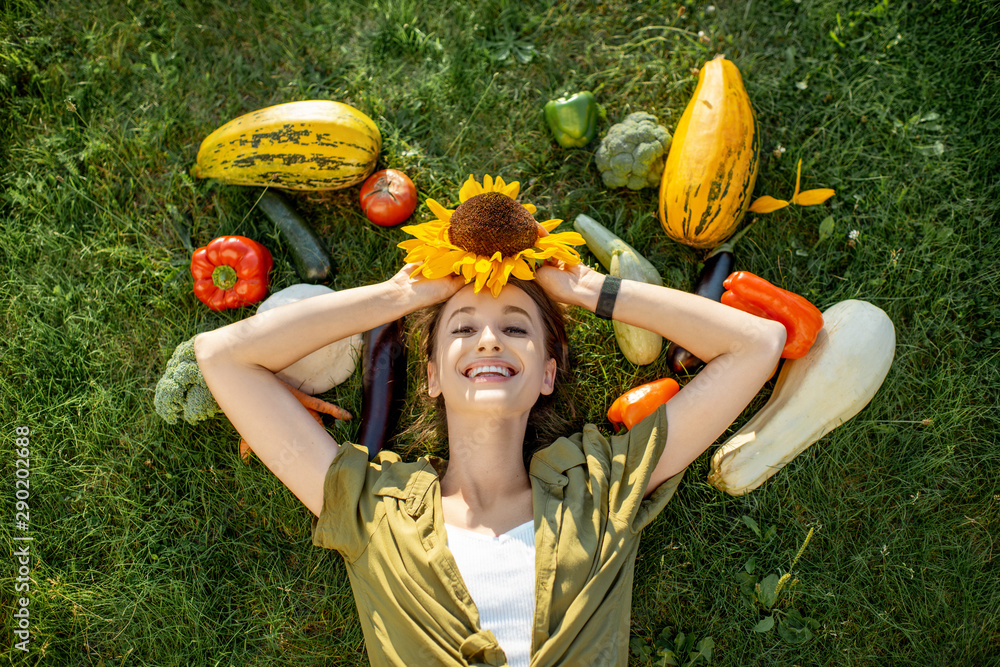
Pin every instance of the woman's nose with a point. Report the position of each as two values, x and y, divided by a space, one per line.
488 341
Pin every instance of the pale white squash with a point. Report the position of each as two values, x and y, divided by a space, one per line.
813 395
325 368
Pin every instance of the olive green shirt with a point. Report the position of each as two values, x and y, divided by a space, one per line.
385 519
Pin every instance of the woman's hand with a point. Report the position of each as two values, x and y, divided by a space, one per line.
575 284
420 292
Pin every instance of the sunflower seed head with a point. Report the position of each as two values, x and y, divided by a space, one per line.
492 222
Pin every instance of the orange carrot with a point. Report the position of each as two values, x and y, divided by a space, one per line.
313 405
318 404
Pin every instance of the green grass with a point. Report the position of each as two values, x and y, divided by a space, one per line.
155 545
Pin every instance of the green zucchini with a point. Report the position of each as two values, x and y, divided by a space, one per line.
640 346
602 243
312 262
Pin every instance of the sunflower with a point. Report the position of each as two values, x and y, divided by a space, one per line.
489 237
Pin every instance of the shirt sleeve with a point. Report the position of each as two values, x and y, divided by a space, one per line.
630 460
344 522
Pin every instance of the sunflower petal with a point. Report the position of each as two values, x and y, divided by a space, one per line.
439 211
483 265
813 197
428 231
544 254
549 225
565 238
442 265
482 275
443 240
522 269
507 267
495 286
413 230
500 276
511 189
487 183
798 178
417 255
766 204
469 189
468 264
410 244
422 252
567 255
530 208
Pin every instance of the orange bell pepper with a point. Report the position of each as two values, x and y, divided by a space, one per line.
636 404
754 295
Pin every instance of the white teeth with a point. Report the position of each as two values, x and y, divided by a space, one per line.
496 370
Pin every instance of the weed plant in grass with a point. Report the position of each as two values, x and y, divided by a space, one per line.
155 545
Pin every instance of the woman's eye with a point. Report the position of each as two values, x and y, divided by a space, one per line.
510 330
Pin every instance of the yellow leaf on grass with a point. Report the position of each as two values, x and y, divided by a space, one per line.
766 204
809 197
798 178
813 197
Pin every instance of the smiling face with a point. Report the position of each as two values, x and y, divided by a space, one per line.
490 353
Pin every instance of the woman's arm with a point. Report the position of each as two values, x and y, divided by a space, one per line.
740 352
239 363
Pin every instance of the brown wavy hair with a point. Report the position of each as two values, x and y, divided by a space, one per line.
550 417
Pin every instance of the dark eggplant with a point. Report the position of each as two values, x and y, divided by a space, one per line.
312 262
383 381
718 265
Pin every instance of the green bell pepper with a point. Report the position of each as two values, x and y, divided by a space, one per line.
573 120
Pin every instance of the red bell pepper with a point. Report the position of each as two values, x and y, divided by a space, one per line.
636 404
230 272
754 295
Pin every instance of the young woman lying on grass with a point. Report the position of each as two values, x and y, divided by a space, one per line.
483 559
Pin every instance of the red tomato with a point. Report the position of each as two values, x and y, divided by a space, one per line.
388 197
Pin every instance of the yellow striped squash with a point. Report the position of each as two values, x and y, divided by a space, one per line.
711 168
310 145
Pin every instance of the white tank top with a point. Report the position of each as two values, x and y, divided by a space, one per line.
499 573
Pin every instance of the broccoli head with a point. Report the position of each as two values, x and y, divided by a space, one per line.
633 152
182 391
